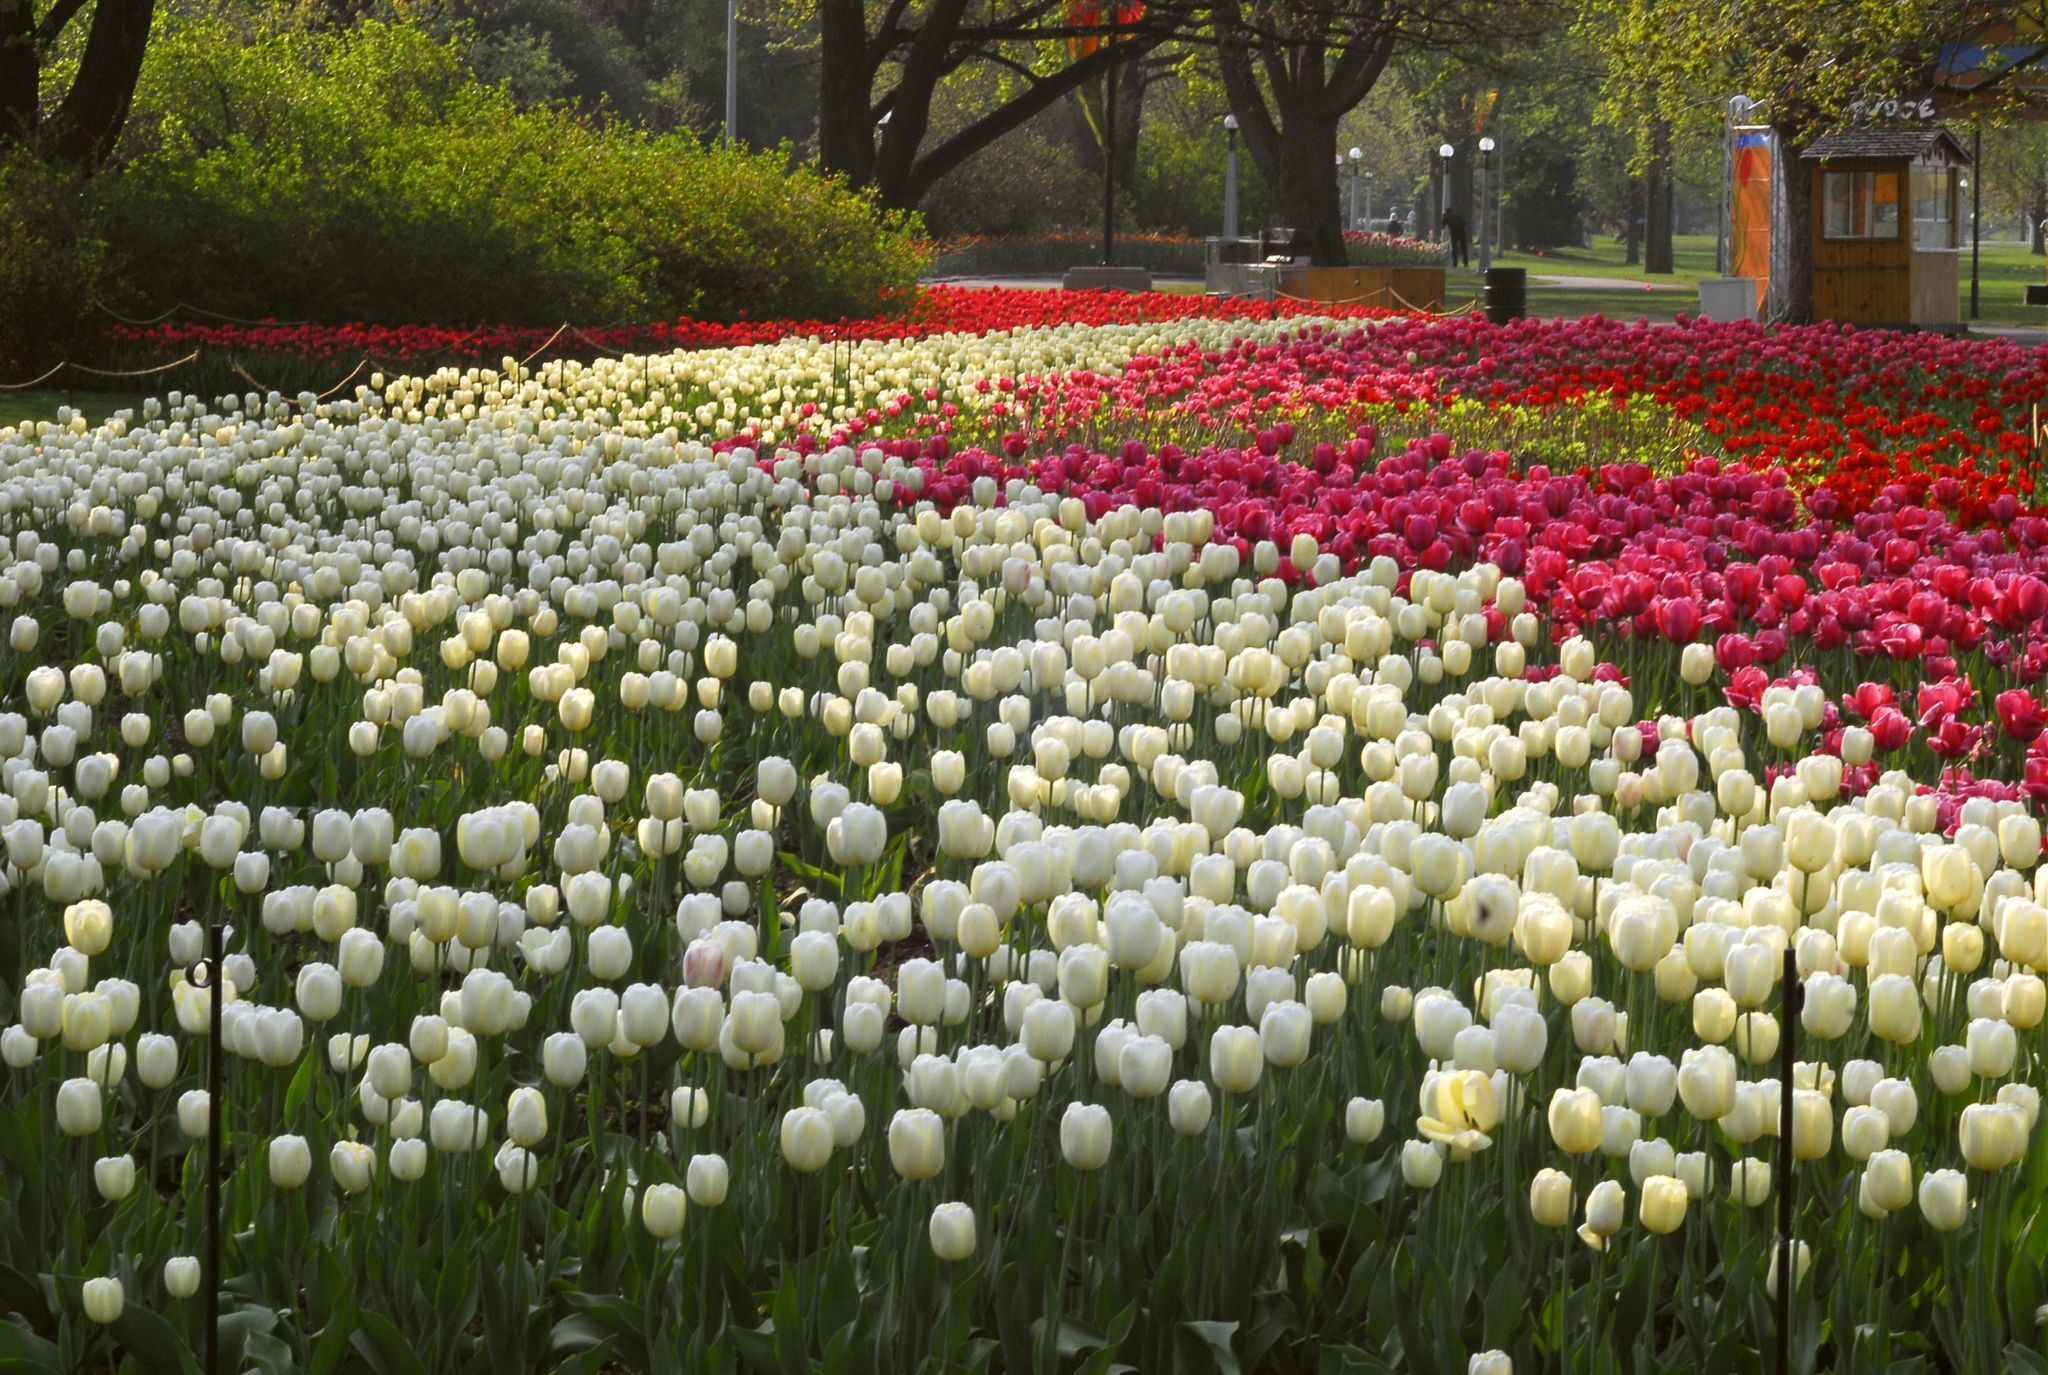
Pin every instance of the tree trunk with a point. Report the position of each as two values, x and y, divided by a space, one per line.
1791 298
846 131
1130 118
2037 211
1305 189
19 73
85 126
1632 232
1657 254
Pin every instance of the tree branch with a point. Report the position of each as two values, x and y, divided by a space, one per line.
953 151
53 23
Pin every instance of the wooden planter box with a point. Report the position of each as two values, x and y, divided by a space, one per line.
1396 288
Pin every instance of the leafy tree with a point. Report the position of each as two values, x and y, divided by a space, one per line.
1294 68
86 119
882 62
1809 65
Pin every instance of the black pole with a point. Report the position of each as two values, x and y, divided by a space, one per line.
215 1114
1109 167
1976 204
1786 1277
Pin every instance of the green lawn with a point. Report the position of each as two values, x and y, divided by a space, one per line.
2005 270
19 407
1692 255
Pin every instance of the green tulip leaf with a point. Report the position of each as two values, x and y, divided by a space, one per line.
1215 1338
24 1351
154 1343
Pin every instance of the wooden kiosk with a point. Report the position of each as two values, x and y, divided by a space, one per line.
1885 227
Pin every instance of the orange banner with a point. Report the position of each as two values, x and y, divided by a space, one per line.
1093 14
1749 239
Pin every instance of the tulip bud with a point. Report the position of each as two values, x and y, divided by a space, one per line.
181 1276
661 1210
290 1161
1606 1211
114 1176
1422 1164
952 1231
1188 1107
79 1107
1575 1120
807 1139
707 1180
1551 1200
103 1300
1085 1136
1662 1207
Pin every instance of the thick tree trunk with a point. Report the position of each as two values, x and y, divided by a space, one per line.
19 73
1289 122
83 130
1657 254
846 132
1305 189
2037 211
1791 298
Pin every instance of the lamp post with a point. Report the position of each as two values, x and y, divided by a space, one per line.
1444 153
732 68
1368 201
1230 176
1485 169
1357 156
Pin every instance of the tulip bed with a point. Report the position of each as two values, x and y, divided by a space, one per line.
306 355
1209 844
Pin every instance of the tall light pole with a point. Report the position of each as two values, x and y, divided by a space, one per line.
1357 156
1485 170
732 68
1444 155
1230 176
1368 200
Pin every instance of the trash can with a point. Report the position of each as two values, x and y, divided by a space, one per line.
1505 296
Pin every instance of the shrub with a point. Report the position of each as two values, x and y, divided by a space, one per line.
366 174
50 260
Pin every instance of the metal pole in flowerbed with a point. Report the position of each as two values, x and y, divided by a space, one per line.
215 1118
1790 1003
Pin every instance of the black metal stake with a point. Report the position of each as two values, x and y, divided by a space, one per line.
1791 1000
215 1116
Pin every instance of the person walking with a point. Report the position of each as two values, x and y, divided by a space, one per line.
1461 244
1396 226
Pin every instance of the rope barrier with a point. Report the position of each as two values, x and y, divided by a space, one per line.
546 344
364 362
100 372
194 310
33 381
236 365
191 357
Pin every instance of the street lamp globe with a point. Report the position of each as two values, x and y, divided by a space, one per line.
1446 152
1230 123
1486 145
1357 154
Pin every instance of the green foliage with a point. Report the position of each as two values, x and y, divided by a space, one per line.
366 173
50 261
1543 186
